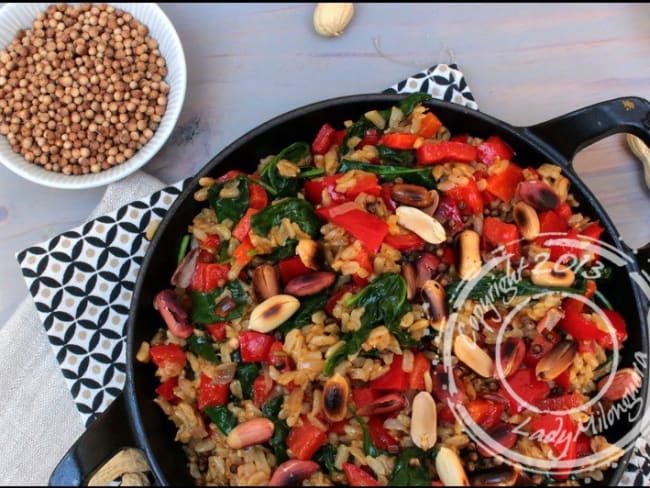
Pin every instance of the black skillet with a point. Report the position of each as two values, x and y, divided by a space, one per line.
134 420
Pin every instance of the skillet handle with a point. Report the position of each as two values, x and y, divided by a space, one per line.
576 130
107 435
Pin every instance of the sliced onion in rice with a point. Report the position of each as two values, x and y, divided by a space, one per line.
225 373
343 208
183 275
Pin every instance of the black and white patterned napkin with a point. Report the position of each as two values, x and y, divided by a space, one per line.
81 281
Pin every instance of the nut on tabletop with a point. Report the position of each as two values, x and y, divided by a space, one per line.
330 19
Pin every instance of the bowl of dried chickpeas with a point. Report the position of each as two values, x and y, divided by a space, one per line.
89 93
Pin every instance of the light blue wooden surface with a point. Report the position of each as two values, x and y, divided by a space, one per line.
525 63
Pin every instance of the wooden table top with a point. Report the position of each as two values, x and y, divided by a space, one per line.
525 63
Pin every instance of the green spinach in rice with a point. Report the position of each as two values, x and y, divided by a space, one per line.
309 313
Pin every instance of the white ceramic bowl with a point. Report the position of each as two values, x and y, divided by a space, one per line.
15 16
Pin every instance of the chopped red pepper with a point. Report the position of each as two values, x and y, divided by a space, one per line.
257 197
363 396
429 126
385 193
370 138
421 366
449 213
304 440
407 242
497 232
254 346
583 445
365 227
212 394
564 381
357 476
559 431
551 221
262 387
469 195
278 358
209 276
620 329
210 244
364 183
562 402
541 344
229 175
485 413
504 185
336 296
170 358
380 436
394 379
526 385
243 227
440 152
217 330
564 210
324 139
398 140
581 327
166 388
290 268
493 149
243 253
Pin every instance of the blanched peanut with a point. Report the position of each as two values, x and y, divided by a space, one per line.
470 254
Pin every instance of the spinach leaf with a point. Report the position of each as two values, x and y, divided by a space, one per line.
203 304
325 457
416 176
295 209
285 186
498 285
278 440
281 252
408 104
222 252
271 409
358 129
229 208
369 449
377 310
606 303
182 250
402 157
189 372
246 374
222 418
406 475
308 305
201 346
312 173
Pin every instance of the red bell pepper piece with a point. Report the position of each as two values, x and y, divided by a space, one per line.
559 431
363 396
551 221
357 476
525 384
243 227
336 296
217 330
485 413
209 276
449 213
620 329
229 175
469 195
210 244
446 415
380 436
278 358
386 196
564 402
583 445
564 210
262 387
497 232
212 394
324 139
421 365
541 344
564 381
257 197
166 388
504 185
243 253
304 440
290 268
365 227
407 242
430 125
593 230
394 379
440 152
254 346
370 138
170 358
581 327
365 183
398 140
492 149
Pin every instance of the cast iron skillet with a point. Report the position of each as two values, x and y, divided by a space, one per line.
134 419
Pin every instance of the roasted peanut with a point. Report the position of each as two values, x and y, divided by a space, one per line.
557 360
538 194
413 195
503 476
435 200
550 319
272 313
415 220
224 307
292 472
265 281
310 283
470 254
512 351
424 426
426 268
548 273
467 351
408 273
450 468
173 314
335 398
436 298
309 253
385 404
182 277
250 433
626 381
527 220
